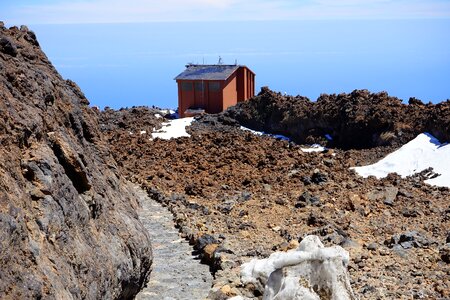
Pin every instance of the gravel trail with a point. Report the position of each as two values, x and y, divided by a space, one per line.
176 273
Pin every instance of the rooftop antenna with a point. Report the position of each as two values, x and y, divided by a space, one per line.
220 61
235 62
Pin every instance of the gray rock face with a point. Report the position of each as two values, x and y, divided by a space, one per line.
68 226
387 195
409 240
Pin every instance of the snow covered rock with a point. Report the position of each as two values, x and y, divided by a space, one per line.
309 272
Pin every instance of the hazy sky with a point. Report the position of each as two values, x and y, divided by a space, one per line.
305 47
124 11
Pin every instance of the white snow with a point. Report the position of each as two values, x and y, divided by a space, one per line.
419 154
252 131
276 136
167 111
158 116
164 112
142 132
293 274
314 148
173 129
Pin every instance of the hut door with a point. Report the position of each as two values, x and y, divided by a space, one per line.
215 100
200 95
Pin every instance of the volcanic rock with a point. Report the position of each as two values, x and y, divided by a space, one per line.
223 161
408 240
68 226
357 120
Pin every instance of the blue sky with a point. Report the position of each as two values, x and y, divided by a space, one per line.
125 53
120 11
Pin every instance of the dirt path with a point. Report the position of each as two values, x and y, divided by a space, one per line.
176 273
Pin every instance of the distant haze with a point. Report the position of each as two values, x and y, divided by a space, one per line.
121 65
141 11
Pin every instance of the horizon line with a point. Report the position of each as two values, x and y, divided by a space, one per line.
424 18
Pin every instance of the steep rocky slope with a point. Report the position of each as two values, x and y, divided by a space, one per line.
68 226
237 195
357 120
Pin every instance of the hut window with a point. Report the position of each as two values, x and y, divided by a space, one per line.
214 86
186 86
199 86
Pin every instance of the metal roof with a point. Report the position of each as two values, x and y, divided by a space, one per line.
207 72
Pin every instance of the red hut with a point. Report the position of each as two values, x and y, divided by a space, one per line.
213 88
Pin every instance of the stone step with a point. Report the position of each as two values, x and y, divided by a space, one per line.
176 273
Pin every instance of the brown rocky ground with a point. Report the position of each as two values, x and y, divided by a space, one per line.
68 222
68 226
236 196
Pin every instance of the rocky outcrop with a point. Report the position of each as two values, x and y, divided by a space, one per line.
357 120
68 226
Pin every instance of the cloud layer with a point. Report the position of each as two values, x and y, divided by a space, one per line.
121 11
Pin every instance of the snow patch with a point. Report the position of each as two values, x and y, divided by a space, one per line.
167 111
170 113
308 272
173 129
142 132
252 131
314 148
276 136
423 152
